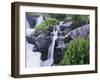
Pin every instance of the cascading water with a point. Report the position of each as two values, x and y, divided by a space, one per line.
32 58
28 29
50 59
39 20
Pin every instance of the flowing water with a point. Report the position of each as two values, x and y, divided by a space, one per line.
29 30
50 59
39 20
33 58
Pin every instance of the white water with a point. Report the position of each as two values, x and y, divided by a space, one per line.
33 58
27 24
28 29
50 59
39 20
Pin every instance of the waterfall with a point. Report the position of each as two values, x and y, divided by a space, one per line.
27 23
32 59
50 59
29 30
39 20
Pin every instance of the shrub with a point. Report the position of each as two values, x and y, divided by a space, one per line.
80 18
59 17
50 22
77 52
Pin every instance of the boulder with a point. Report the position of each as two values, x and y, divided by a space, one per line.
42 46
32 20
75 25
65 25
82 31
58 55
35 35
60 45
31 38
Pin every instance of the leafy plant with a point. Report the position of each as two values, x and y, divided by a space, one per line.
80 18
77 52
49 22
59 17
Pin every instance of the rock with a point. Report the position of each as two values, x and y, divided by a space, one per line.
66 25
32 20
65 28
82 31
35 35
31 38
42 46
50 29
64 32
60 45
74 25
58 55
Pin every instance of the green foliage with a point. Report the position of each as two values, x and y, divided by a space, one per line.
49 22
77 52
80 18
76 18
59 17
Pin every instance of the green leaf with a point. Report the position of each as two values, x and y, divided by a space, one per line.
77 52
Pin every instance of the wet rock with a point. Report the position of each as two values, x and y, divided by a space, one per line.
32 38
64 32
35 35
66 25
60 45
42 45
50 29
58 55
